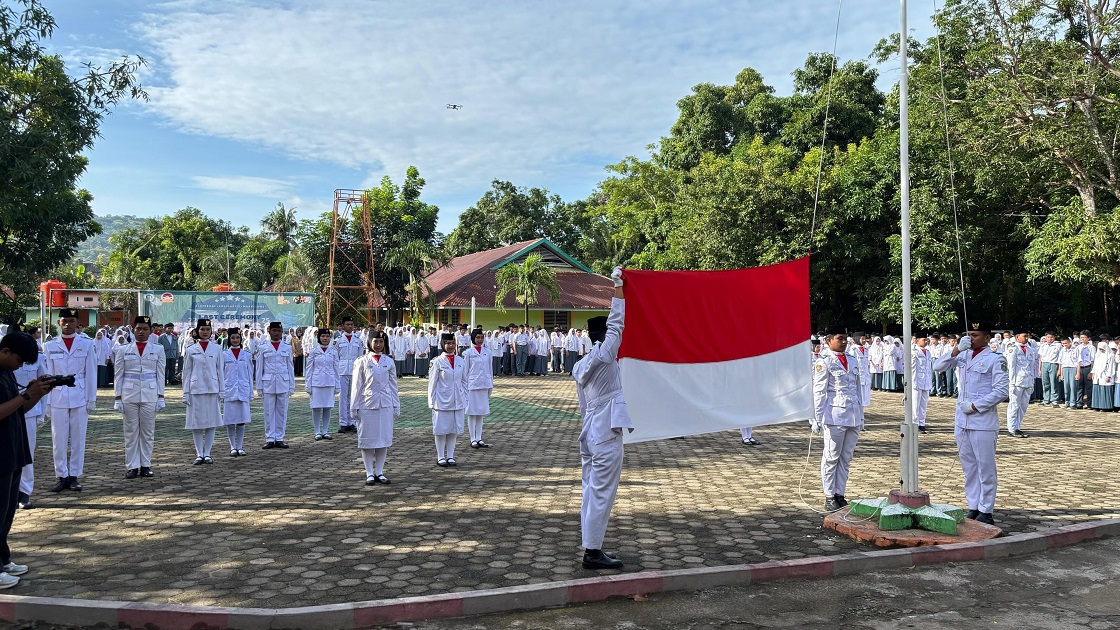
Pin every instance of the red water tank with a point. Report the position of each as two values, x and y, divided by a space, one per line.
222 287
54 293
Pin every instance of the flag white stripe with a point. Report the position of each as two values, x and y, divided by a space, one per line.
675 399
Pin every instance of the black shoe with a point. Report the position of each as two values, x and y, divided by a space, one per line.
474 444
923 430
343 429
442 463
986 518
269 444
831 505
451 461
327 436
841 501
1018 434
74 485
318 436
146 472
595 559
23 501
972 514
63 484
132 473
281 444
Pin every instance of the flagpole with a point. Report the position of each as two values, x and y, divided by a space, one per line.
909 450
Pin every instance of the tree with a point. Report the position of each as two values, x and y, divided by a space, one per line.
297 272
508 214
417 258
525 280
281 224
49 120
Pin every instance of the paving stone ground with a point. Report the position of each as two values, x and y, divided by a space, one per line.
299 527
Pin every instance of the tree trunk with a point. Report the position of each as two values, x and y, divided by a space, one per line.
526 313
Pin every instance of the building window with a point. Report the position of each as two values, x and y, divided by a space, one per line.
552 319
449 316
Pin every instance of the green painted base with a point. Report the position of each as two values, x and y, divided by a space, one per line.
938 517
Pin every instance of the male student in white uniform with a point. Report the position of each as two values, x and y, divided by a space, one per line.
350 348
140 370
983 386
837 413
1022 366
275 379
921 365
603 408
69 407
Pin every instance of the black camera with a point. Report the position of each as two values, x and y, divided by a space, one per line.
60 381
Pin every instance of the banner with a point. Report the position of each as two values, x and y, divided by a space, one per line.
228 309
706 351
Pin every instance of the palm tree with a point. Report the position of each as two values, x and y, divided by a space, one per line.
525 280
417 258
296 272
280 224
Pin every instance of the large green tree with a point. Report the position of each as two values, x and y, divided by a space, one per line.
49 119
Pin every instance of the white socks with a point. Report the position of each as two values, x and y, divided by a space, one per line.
474 427
203 441
445 446
236 433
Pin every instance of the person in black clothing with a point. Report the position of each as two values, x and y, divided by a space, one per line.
16 349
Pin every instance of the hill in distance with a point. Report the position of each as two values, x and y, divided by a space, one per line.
99 244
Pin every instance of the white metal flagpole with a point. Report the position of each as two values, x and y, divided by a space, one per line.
909 450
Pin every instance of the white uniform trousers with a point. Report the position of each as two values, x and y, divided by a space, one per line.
839 445
27 477
68 426
345 418
602 469
921 404
139 434
275 416
1017 400
977 451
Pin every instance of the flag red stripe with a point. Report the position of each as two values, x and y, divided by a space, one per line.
710 316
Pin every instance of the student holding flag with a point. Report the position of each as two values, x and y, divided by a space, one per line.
837 413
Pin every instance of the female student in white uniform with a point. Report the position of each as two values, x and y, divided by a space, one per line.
202 388
447 398
237 390
375 405
321 381
480 382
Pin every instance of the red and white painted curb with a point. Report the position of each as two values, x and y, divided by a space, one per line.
14 608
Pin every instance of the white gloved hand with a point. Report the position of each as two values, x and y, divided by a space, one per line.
965 343
91 406
160 403
118 405
966 406
616 275
816 427
187 400
396 413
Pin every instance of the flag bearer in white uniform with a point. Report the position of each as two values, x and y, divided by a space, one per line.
837 413
237 391
858 355
139 374
275 378
322 382
350 348
447 398
69 407
202 391
921 365
603 409
1022 369
376 404
480 382
26 373
982 387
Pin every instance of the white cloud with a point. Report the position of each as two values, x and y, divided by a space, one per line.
551 91
245 185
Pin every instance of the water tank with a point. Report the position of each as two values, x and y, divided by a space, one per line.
54 293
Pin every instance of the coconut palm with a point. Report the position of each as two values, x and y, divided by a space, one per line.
296 272
280 223
417 258
525 280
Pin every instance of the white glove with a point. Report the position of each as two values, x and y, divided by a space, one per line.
616 275
187 400
91 406
40 422
965 343
396 412
816 427
966 406
118 405
160 403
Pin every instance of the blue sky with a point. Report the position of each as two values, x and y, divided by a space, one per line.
258 101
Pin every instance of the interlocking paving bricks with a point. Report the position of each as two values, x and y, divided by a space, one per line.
283 529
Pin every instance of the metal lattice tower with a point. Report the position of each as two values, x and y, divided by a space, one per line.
350 286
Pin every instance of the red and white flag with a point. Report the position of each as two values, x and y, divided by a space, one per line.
706 351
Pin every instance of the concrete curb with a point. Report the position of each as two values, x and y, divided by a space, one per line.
14 608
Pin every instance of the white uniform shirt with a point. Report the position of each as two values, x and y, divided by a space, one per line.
237 376
922 366
837 396
275 372
321 368
202 369
447 383
599 383
349 351
81 361
480 368
375 384
1022 365
982 383
139 378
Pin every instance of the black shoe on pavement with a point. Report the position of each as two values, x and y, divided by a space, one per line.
923 430
281 444
595 559
1018 434
145 471
972 514
74 485
831 505
23 501
269 444
132 473
63 484
986 518
841 501
327 436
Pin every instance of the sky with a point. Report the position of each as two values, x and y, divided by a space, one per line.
254 102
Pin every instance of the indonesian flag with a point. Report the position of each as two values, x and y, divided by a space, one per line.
706 351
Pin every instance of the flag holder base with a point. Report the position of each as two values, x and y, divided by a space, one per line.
907 520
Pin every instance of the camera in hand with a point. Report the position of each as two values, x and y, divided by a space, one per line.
57 380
